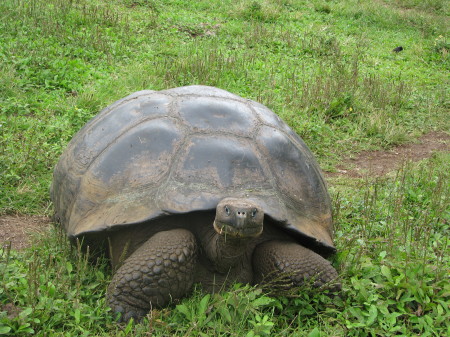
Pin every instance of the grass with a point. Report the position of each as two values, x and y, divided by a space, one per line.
392 237
326 67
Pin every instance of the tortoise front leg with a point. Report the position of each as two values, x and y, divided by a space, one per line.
288 261
161 270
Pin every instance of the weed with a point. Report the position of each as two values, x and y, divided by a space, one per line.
263 11
52 283
392 267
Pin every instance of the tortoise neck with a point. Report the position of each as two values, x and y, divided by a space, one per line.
226 252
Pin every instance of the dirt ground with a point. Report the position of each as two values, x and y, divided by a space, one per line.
15 230
378 163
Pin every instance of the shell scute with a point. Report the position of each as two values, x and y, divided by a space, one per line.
222 162
213 114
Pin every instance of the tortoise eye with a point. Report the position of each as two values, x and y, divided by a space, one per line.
227 210
254 212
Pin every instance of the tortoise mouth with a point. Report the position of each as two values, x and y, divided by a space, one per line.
237 232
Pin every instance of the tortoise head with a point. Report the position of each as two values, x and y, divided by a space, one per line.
239 218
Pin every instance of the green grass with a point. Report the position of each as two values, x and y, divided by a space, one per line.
326 67
392 238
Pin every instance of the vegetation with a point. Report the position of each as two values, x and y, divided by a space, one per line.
326 67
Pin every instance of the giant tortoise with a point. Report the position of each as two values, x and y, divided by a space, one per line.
193 185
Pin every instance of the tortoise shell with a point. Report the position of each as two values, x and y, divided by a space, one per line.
157 153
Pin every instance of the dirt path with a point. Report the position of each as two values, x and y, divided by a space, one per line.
378 163
16 233
15 230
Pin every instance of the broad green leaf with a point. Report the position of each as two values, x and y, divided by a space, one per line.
314 333
386 272
224 312
373 311
69 267
250 334
262 301
129 327
77 315
4 330
184 310
51 289
203 306
356 312
26 312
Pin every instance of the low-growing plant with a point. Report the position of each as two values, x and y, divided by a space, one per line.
264 11
395 260
51 287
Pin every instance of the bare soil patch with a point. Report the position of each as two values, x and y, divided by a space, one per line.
16 230
12 311
378 163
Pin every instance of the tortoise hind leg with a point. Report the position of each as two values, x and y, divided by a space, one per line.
161 270
288 261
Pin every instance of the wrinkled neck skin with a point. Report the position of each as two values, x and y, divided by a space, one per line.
224 251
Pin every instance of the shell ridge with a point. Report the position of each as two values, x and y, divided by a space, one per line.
173 110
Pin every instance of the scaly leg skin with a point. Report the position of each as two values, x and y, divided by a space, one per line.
159 271
274 259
